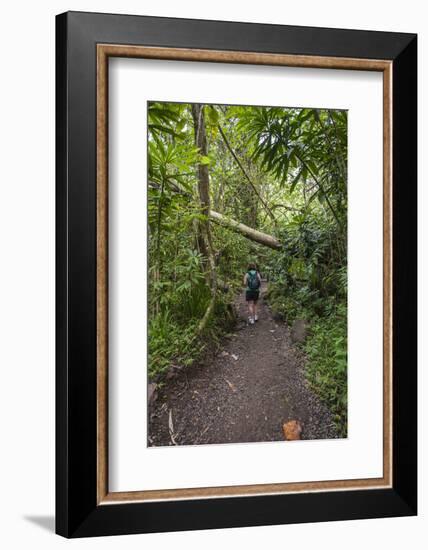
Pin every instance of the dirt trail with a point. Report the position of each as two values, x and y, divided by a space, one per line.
245 393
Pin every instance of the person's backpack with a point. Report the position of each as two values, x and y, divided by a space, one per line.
253 280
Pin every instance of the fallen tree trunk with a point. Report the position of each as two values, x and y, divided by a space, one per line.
229 223
248 232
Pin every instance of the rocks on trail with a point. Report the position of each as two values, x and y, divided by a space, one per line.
299 331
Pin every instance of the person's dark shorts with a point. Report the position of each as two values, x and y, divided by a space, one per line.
251 295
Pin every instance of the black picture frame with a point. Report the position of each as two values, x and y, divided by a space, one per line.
77 512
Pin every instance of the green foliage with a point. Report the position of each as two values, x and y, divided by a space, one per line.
302 145
165 120
327 365
170 343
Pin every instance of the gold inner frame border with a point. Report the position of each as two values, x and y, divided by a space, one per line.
104 52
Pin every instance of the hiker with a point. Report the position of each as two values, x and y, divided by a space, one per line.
252 280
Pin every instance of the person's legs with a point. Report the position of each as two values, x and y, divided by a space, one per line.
249 306
251 298
251 310
256 303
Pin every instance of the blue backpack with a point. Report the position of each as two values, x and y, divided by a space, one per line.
252 280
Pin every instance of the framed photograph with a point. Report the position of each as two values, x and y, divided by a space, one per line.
236 274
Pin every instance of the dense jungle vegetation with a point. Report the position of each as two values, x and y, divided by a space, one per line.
233 184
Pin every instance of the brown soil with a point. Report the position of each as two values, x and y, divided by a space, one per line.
243 393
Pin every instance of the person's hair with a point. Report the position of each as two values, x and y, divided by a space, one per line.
251 266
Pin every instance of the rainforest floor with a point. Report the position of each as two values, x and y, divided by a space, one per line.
244 392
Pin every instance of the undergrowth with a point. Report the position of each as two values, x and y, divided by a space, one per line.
325 345
326 370
309 281
174 343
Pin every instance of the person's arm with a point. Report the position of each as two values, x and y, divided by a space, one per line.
259 277
245 279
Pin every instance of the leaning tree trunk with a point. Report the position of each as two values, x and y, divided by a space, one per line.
248 232
204 197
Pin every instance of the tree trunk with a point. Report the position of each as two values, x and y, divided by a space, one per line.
248 232
204 197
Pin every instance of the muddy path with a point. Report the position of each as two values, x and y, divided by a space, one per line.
243 393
